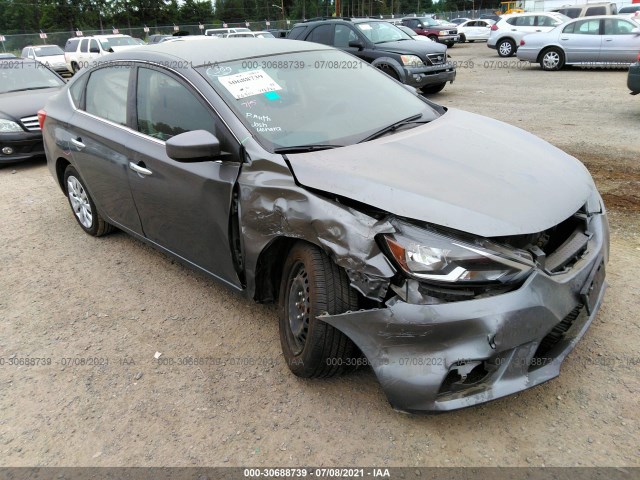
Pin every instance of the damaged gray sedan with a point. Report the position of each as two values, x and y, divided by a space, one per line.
460 257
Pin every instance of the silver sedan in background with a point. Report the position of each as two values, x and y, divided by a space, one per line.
608 40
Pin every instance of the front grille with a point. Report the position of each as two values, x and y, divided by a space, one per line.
437 58
553 337
453 32
31 123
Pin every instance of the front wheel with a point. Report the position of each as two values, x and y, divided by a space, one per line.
552 59
388 69
463 38
82 205
312 285
433 89
506 48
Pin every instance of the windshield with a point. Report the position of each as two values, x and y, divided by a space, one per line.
429 22
18 76
48 51
117 42
408 31
381 32
323 97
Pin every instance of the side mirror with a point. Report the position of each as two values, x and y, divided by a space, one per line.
356 44
110 50
195 146
635 31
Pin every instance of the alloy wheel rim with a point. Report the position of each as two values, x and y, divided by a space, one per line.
551 60
79 202
299 308
505 48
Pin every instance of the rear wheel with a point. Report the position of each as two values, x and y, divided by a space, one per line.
433 89
75 67
506 48
471 41
552 59
312 285
82 205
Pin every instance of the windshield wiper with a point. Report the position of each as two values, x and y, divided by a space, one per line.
305 148
393 127
25 89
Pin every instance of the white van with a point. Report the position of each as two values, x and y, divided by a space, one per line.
219 32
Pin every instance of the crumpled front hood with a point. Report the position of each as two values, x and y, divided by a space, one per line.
462 171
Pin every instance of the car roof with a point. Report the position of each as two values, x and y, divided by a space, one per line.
206 50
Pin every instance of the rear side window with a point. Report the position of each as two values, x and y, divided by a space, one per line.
543 21
167 108
591 11
84 46
77 89
322 34
526 21
72 45
512 20
297 31
106 93
615 26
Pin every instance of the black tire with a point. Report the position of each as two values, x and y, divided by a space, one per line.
79 199
470 41
433 37
462 38
450 44
75 67
551 59
389 70
312 285
433 89
506 48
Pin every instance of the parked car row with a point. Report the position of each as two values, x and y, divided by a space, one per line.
390 234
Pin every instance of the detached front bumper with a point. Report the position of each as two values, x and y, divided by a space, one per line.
447 356
430 76
24 145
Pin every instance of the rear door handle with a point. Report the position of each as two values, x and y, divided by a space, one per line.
139 169
77 142
608 39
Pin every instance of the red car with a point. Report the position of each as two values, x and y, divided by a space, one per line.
430 28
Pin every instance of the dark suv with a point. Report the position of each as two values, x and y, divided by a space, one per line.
421 65
430 28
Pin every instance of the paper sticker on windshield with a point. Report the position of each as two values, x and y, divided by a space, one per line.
248 84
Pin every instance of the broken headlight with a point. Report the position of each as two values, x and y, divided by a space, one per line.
427 254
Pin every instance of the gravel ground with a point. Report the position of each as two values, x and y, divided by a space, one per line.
115 302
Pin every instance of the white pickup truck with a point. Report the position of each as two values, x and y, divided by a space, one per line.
81 52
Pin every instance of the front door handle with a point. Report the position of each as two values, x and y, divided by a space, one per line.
564 38
139 169
77 142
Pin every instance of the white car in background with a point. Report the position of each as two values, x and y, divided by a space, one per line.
473 30
81 52
261 34
50 55
505 35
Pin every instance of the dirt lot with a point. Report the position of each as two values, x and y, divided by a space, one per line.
66 296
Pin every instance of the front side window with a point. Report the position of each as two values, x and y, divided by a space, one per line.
343 35
93 47
167 108
587 27
106 93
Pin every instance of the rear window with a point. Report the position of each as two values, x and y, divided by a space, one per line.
72 45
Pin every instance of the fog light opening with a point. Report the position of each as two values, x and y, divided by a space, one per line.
7 150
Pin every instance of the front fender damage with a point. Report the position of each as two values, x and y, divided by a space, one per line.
273 206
